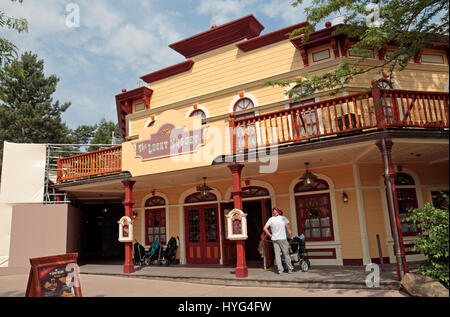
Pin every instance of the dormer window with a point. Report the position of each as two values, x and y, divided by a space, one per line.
432 58
139 107
321 55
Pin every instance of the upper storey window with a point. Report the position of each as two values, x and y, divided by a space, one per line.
198 112
244 104
432 58
321 55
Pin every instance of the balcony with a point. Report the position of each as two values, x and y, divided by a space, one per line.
376 109
102 162
337 117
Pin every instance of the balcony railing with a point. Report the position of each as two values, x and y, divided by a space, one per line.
377 108
102 162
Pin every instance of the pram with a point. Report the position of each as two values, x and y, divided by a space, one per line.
139 253
153 255
170 252
299 253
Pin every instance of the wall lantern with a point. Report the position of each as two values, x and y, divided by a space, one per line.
204 189
344 197
308 177
135 214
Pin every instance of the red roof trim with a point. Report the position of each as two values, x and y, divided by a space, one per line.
269 38
315 38
243 28
124 101
168 71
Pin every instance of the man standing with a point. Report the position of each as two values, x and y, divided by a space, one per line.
278 225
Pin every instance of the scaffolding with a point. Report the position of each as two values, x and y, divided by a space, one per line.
55 152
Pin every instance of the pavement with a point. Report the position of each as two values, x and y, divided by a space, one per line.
108 280
318 277
101 286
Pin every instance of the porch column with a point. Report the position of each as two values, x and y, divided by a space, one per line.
128 266
385 147
241 265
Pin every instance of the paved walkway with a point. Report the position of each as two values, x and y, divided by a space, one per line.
318 277
120 286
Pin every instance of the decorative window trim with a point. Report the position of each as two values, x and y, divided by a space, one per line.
244 95
149 122
197 107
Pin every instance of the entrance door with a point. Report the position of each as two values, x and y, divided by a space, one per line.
202 234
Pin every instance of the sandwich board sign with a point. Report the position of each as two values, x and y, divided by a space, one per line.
54 276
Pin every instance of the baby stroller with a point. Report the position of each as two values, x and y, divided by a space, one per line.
153 255
170 252
299 253
139 254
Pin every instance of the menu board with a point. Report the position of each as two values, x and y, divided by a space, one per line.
54 276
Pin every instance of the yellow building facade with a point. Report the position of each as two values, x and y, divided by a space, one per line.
193 121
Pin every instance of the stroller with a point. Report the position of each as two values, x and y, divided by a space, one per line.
139 253
153 255
299 253
170 252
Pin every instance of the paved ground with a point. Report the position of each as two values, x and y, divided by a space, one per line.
119 286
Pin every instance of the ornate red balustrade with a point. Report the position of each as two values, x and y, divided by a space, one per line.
377 108
102 162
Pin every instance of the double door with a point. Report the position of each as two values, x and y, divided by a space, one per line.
202 234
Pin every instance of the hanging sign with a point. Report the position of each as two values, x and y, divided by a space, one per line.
169 140
54 276
236 221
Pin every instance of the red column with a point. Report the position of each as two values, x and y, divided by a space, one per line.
385 147
128 266
241 265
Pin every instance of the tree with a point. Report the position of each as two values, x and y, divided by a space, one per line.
432 240
410 25
8 51
104 134
27 111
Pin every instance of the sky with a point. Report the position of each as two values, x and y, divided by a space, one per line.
114 42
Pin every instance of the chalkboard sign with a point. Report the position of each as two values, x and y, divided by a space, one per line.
54 276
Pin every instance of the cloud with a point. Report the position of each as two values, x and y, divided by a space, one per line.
225 10
283 9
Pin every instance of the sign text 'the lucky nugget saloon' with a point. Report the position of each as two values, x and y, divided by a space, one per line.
169 141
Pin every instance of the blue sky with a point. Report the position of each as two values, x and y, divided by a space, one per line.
120 40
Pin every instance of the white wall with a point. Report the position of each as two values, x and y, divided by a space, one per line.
23 173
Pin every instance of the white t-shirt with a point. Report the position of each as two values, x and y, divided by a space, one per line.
278 226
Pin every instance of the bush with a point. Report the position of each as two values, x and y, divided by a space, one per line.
432 240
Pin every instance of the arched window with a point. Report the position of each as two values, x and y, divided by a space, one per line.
313 209
244 104
298 93
198 112
407 199
197 198
253 191
155 220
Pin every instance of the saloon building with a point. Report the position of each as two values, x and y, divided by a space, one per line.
207 134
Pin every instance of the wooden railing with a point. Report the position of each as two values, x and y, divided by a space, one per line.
96 163
377 108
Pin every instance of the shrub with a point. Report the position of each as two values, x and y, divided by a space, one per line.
432 240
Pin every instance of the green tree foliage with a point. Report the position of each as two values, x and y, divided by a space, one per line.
433 240
28 113
410 25
8 51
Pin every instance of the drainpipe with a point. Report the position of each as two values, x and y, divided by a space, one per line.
385 149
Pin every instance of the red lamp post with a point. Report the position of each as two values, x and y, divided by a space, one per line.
241 265
128 266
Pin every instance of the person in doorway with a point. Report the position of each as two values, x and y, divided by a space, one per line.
279 225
